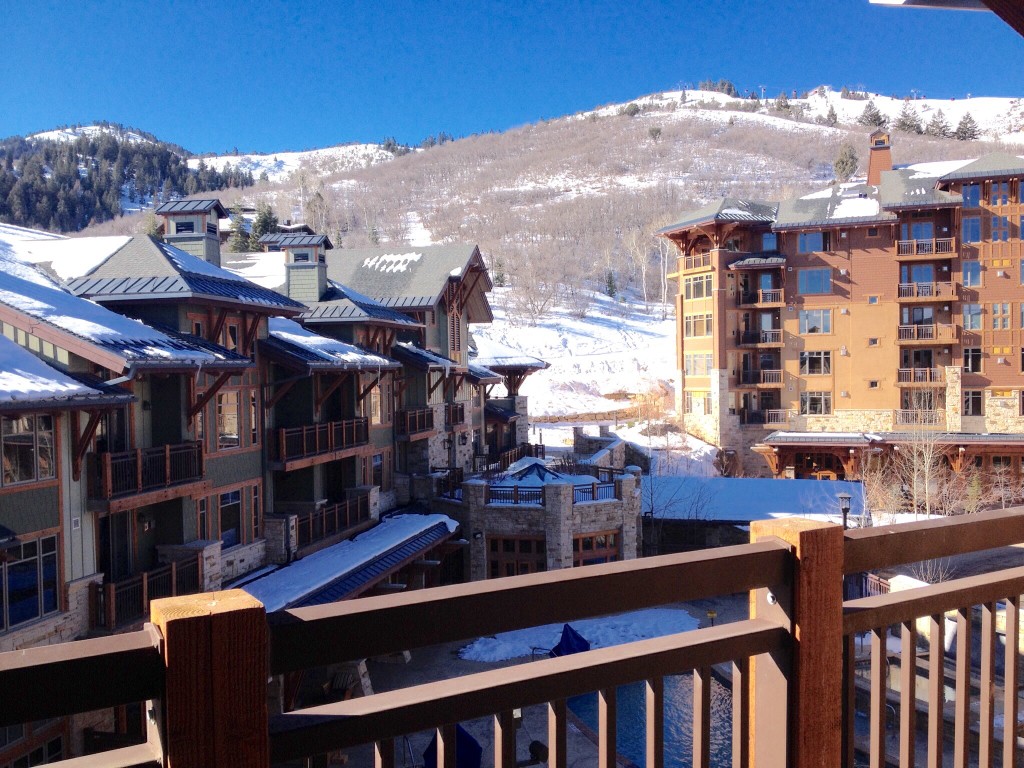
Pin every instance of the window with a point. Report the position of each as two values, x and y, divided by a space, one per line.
872 384
697 325
972 360
815 281
972 195
374 406
227 419
697 402
231 337
972 402
202 520
872 341
1000 229
700 364
815 403
254 422
971 229
184 227
300 257
513 556
28 582
27 447
591 548
999 193
257 513
872 299
972 317
815 321
1000 316
815 363
769 241
809 242
230 518
972 274
698 287
377 470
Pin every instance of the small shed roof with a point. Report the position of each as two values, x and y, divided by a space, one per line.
192 206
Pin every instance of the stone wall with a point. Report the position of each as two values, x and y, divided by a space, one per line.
213 578
1002 414
280 534
62 627
238 561
954 398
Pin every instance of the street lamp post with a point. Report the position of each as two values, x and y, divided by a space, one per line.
844 506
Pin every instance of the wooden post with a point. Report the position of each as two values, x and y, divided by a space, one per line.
799 699
167 465
138 469
145 592
215 700
111 604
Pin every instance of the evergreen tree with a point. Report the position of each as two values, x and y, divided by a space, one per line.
264 223
845 164
939 126
239 240
871 116
831 118
967 129
782 103
610 286
908 121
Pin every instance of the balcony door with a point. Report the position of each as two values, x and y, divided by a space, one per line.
115 545
917 358
918 230
766 321
765 281
917 273
918 316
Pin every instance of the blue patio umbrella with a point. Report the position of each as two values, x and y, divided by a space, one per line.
467 750
570 642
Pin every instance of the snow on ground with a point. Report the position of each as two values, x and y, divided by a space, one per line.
92 131
280 165
617 347
416 234
294 581
601 632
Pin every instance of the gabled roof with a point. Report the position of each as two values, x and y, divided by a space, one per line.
728 209
290 342
193 206
29 298
299 241
850 203
908 188
413 278
341 304
990 166
27 383
420 358
146 268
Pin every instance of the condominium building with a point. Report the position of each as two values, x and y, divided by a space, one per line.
857 316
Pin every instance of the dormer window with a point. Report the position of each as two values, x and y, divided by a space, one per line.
300 257
184 227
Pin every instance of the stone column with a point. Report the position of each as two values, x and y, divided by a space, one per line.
475 522
558 524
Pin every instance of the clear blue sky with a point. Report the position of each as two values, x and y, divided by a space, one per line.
271 76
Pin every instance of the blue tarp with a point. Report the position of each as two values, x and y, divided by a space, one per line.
467 750
570 642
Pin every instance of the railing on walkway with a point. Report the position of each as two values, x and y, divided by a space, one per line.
450 484
513 494
773 336
115 604
148 469
803 662
409 421
318 439
332 519
596 492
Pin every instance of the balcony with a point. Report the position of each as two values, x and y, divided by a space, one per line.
299 447
118 604
765 339
925 250
700 261
768 298
767 378
414 423
820 697
931 333
500 460
927 377
130 479
777 417
921 418
332 521
923 293
454 414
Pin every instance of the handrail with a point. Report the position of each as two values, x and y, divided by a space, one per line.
317 439
409 421
332 519
130 472
325 634
391 714
920 375
937 291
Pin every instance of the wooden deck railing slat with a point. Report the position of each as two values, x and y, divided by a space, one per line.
741 711
135 756
701 718
355 629
64 679
987 692
556 734
607 748
1010 682
879 667
908 693
654 697
936 689
962 693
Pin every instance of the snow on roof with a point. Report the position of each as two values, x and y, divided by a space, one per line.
265 268
25 377
327 349
533 472
428 358
393 262
9 232
935 169
494 354
186 262
69 258
303 577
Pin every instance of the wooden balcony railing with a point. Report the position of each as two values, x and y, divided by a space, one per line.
134 472
332 519
804 660
920 418
773 336
513 494
920 376
454 414
749 298
320 439
941 247
927 291
409 421
115 604
762 376
930 332
700 261
777 416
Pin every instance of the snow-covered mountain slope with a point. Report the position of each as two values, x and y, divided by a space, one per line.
617 349
76 132
280 165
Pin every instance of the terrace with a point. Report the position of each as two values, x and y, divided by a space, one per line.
798 672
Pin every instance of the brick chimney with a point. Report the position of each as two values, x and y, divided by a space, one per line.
879 157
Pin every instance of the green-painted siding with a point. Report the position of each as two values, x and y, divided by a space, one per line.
31 509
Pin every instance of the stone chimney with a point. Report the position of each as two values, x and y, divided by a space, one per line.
880 156
194 227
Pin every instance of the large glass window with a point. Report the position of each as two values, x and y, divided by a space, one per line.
228 419
28 582
698 287
973 402
1000 229
815 321
815 403
972 195
697 325
231 518
815 363
972 229
972 274
1000 193
972 317
810 242
812 281
27 447
769 241
972 359
1000 316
